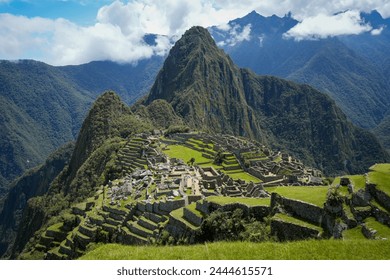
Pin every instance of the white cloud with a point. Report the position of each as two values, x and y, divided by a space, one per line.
120 27
237 34
378 31
323 26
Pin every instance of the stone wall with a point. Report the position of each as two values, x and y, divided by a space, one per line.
379 195
286 231
258 212
171 205
300 209
179 229
192 217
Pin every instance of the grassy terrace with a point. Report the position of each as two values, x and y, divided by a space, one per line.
354 234
223 200
185 153
192 208
300 250
358 181
313 195
178 215
295 221
382 230
380 175
235 175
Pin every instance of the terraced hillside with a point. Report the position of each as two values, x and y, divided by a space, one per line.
166 197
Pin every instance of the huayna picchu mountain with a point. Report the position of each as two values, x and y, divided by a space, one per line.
210 93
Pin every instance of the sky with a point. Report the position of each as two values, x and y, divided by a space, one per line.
71 32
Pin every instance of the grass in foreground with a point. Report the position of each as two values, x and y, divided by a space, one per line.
300 250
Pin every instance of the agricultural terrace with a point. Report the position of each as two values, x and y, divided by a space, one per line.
380 176
185 153
313 195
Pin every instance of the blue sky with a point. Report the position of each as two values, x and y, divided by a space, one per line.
80 12
63 32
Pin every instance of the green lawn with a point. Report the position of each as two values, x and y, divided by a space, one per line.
313 195
223 200
299 250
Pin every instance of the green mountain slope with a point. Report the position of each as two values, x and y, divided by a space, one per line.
35 182
129 81
210 93
40 109
382 131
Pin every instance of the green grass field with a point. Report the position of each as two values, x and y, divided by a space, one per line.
300 250
313 195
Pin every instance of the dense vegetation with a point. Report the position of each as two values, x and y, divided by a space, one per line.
41 109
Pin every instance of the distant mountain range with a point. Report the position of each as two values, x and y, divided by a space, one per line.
352 69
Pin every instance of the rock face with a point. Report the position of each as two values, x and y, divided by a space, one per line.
210 93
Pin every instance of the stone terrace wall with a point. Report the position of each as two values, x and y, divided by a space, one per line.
300 209
379 195
259 212
287 231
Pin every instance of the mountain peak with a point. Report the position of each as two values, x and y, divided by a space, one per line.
186 64
194 37
97 127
